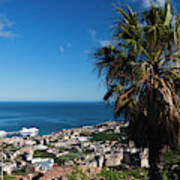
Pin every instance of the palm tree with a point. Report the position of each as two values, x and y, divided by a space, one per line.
141 69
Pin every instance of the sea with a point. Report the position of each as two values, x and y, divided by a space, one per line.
51 117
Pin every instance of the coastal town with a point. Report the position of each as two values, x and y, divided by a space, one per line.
53 156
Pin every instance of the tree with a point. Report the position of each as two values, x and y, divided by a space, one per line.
142 73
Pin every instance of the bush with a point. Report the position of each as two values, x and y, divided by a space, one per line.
111 174
171 160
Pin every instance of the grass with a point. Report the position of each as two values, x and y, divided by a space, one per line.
106 136
61 160
43 154
72 150
70 156
6 177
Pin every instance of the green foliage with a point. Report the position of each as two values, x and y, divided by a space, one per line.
6 177
19 172
105 136
88 151
72 150
113 175
70 156
108 174
22 172
132 171
9 147
142 75
43 154
62 159
79 174
171 157
171 165
126 159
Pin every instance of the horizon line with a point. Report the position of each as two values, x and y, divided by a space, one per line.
53 101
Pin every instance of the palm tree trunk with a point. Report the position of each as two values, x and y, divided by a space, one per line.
155 162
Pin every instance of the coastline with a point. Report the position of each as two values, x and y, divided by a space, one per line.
103 145
52 117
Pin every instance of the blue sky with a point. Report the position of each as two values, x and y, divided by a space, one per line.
45 48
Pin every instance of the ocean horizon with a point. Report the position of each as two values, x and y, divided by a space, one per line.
52 116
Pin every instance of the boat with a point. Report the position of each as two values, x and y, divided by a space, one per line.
29 132
3 134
